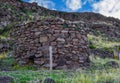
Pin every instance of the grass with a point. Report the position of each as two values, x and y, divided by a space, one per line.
9 63
97 77
8 6
7 29
100 64
65 76
96 74
102 61
101 43
3 55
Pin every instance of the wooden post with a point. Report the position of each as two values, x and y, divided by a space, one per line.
115 55
51 59
119 55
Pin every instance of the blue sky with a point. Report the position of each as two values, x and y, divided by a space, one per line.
105 7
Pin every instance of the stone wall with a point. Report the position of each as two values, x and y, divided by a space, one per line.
68 40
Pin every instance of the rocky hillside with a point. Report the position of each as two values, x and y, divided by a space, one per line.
16 12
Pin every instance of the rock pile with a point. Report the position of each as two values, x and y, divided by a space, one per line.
68 40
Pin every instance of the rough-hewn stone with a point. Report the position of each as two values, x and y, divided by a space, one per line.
69 43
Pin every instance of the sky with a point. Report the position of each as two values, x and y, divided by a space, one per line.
106 7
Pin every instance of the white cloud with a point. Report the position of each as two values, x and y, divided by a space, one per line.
73 4
108 8
45 3
89 1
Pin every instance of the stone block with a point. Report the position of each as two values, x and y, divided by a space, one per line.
69 45
61 39
43 39
37 33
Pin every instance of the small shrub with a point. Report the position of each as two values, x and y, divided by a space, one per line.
27 67
92 47
65 26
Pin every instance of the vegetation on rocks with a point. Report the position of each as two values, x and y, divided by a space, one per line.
98 73
103 36
102 42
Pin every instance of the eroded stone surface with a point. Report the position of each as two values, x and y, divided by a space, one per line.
69 43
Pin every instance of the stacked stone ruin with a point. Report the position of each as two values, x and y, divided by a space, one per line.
68 40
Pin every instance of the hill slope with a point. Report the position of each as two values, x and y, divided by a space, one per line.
16 12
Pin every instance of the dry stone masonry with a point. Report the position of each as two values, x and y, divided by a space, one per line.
68 40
